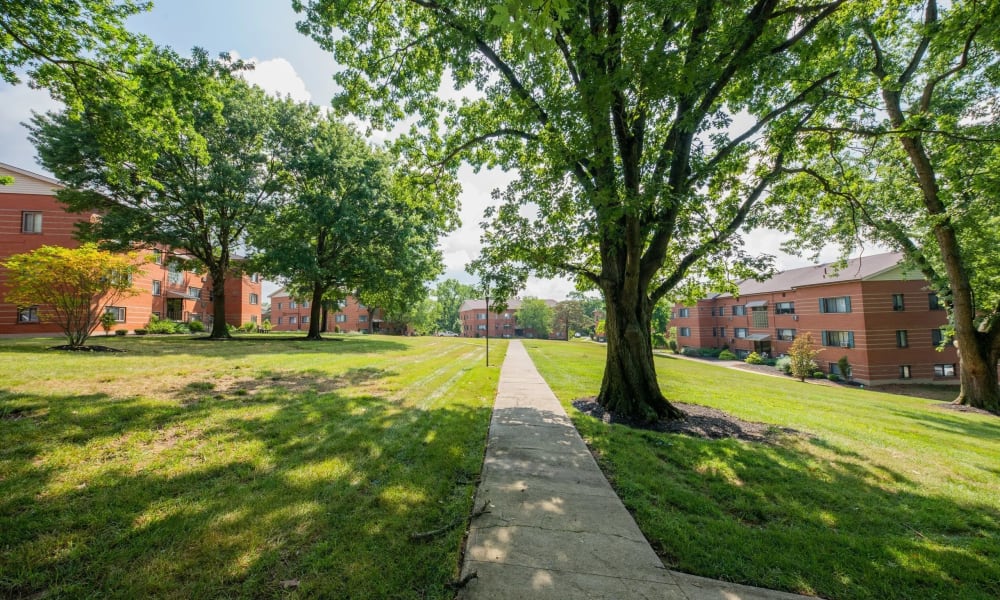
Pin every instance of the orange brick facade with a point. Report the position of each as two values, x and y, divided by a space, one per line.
288 314
475 323
886 324
165 292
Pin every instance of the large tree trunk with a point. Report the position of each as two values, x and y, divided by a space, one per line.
219 329
630 388
978 373
315 313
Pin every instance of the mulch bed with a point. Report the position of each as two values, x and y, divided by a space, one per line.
69 348
701 422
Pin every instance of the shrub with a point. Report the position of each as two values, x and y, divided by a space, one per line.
687 351
784 364
819 374
844 365
803 356
770 361
196 327
833 377
266 325
672 344
139 332
121 332
754 359
727 355
659 340
107 322
156 325
709 352
248 327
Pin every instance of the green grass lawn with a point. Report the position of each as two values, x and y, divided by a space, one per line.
880 496
256 468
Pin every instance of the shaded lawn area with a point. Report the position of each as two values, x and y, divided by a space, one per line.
263 468
879 496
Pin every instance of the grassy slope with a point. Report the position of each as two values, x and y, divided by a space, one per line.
884 496
192 469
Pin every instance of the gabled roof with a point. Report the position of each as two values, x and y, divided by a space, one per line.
857 269
512 304
26 182
278 292
15 171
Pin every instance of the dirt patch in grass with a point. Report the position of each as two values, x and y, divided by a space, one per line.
222 386
69 348
963 408
700 421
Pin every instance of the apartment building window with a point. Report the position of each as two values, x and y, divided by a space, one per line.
722 332
174 276
341 318
31 222
480 316
944 370
933 302
715 331
253 319
292 304
194 292
786 335
835 369
481 327
279 305
291 320
713 311
279 320
758 317
27 315
904 372
362 318
253 298
684 312
304 304
117 311
305 319
784 308
739 310
157 287
722 311
901 341
158 257
840 304
684 331
843 339
897 302
741 332
255 278
937 336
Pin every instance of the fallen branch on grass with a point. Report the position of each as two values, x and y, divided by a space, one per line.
433 533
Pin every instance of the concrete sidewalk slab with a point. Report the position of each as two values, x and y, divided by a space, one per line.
556 528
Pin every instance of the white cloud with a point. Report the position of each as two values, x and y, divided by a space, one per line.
276 76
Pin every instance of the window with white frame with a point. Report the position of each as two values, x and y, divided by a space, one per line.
292 304
254 298
739 310
741 332
291 320
902 340
944 370
194 292
31 222
684 331
340 318
174 275
904 372
722 332
786 335
157 287
481 327
117 311
784 308
480 316
280 305
305 319
27 315
684 312
722 311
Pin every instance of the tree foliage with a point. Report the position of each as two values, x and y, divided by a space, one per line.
803 355
908 156
350 221
616 115
72 287
180 155
568 317
535 314
449 296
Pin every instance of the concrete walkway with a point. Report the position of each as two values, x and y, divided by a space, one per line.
555 528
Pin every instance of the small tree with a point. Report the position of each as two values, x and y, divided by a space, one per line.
803 356
107 322
535 314
845 368
71 287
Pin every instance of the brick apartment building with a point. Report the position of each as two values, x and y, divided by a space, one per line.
504 324
31 217
874 311
351 316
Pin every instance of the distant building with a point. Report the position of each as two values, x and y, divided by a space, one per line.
31 217
349 315
473 316
874 311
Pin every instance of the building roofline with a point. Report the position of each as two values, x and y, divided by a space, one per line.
32 175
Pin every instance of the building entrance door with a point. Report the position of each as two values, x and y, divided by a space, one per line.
175 309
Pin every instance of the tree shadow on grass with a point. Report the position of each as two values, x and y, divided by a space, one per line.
780 516
316 490
956 423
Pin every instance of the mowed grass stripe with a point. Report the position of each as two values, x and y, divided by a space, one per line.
302 464
878 496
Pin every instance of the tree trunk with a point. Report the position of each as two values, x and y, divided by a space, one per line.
315 312
630 388
978 373
323 316
220 331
